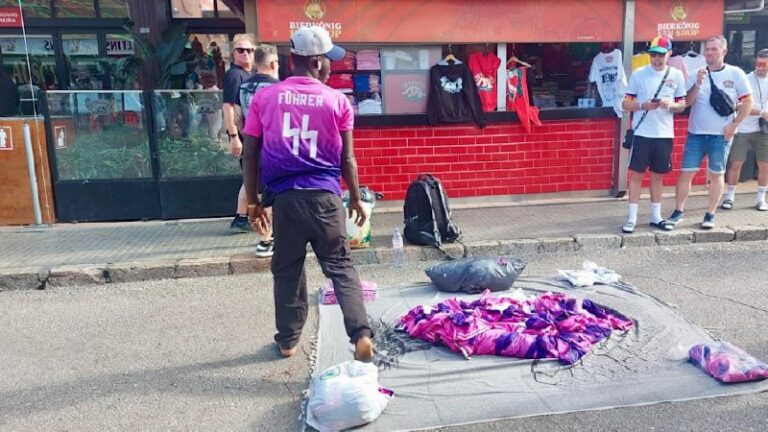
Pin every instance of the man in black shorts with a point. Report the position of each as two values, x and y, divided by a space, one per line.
656 91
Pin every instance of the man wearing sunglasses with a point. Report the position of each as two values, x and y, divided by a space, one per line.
242 68
301 131
655 92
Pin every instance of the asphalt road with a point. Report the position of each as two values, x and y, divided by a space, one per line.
196 354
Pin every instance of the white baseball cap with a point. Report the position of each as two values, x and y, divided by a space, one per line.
313 41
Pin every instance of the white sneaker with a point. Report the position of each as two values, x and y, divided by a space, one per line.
265 249
628 228
762 206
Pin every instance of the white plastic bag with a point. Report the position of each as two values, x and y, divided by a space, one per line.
345 396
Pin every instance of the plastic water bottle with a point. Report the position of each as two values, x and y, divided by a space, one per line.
397 247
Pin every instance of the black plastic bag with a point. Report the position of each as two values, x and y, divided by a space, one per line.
474 275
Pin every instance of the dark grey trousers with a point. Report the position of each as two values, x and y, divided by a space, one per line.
315 217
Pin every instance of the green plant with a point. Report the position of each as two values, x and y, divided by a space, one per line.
196 155
115 152
170 54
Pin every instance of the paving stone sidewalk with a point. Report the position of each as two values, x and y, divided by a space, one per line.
65 255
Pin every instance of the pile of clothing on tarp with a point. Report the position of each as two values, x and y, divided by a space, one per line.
328 294
552 325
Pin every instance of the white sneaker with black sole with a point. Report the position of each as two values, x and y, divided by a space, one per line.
265 249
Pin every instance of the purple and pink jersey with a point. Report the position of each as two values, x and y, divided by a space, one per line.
300 121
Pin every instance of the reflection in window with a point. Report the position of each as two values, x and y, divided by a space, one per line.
224 11
75 9
200 9
192 8
100 136
82 55
41 61
113 8
124 66
189 135
31 8
211 61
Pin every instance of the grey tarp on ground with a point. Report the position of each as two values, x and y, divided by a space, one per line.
435 387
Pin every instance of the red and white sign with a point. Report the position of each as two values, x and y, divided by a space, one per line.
6 138
10 17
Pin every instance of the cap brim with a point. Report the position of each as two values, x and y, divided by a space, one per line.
336 53
658 49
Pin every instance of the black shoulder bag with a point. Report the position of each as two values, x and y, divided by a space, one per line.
720 101
761 121
629 136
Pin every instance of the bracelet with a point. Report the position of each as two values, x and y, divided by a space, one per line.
252 205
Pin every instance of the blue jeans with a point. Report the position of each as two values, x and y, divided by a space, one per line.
715 147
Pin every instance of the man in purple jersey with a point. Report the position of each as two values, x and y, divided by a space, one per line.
300 132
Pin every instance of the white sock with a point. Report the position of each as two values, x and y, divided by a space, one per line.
632 213
731 193
656 212
761 193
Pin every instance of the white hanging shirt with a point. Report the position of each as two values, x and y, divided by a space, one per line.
608 72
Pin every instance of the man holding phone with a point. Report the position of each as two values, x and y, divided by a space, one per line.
655 92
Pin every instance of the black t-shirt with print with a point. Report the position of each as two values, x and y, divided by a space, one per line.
234 77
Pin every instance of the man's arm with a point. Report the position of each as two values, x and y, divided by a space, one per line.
349 174
693 92
742 111
235 146
251 161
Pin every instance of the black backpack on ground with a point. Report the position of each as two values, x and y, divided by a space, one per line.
427 215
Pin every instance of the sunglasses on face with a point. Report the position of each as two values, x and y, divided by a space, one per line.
244 50
656 54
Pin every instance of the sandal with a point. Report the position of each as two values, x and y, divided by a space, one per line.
662 225
628 228
727 204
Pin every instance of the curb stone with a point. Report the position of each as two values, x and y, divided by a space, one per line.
141 271
22 278
200 267
751 233
674 237
557 244
592 242
638 240
717 234
80 274
34 277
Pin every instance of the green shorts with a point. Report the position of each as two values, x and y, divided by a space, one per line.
756 141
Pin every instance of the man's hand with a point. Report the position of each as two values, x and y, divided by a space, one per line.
700 76
665 103
258 218
729 130
764 115
359 215
236 146
648 105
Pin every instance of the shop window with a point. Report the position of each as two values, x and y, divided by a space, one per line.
85 70
211 61
113 8
75 9
41 61
124 66
190 139
200 9
31 8
99 135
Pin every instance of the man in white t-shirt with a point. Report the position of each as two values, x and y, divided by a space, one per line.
655 93
709 133
750 136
